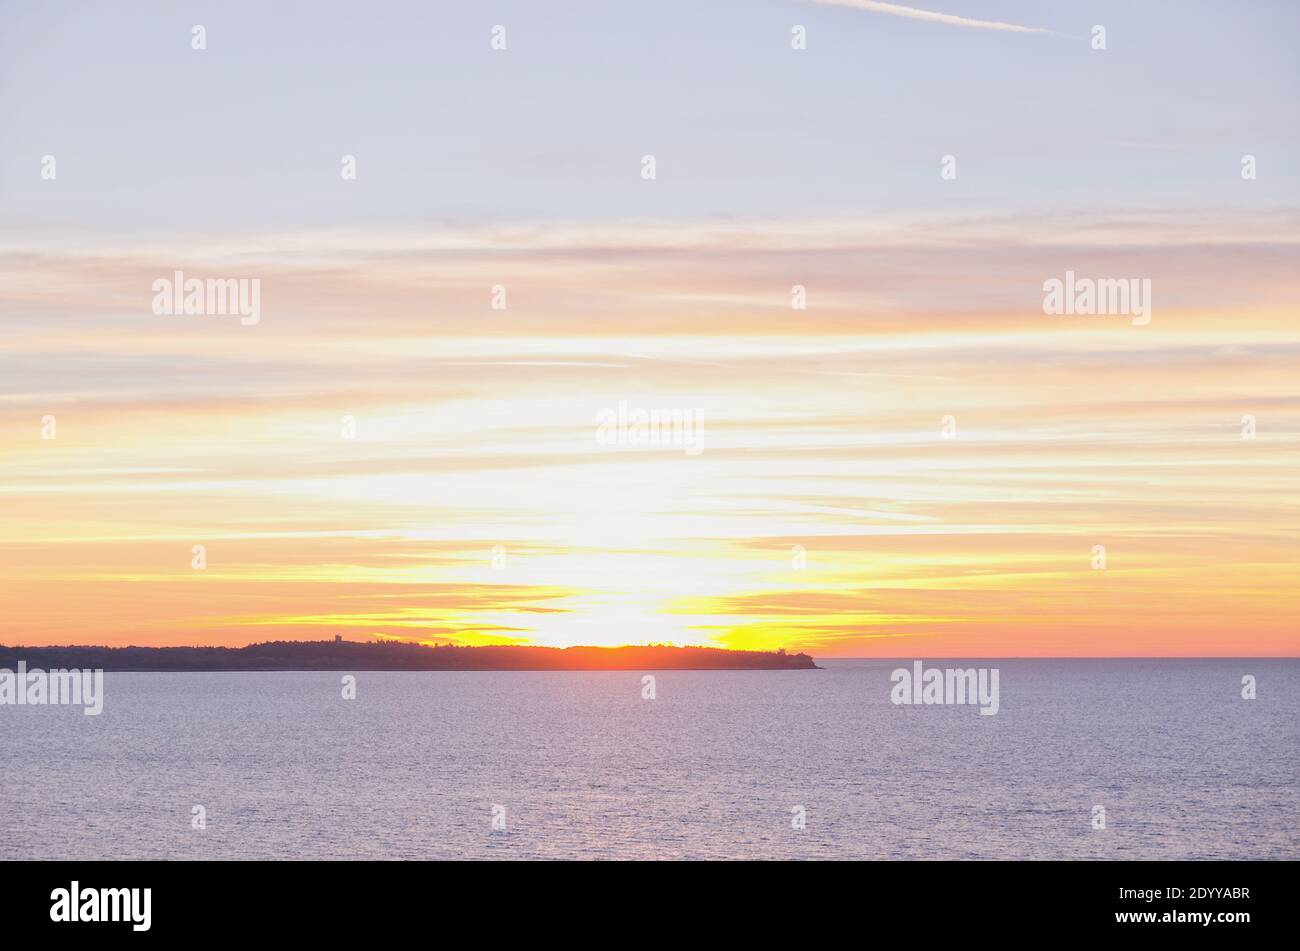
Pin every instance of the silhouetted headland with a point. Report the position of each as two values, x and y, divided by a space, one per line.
397 655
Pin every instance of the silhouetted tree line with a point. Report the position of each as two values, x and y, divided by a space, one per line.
399 655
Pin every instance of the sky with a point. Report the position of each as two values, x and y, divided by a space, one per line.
918 461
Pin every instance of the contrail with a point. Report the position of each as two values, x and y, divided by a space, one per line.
930 16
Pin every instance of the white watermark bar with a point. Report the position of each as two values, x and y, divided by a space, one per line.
946 686
38 688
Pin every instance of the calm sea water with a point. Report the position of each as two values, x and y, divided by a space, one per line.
711 768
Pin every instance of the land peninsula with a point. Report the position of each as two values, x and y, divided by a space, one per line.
344 655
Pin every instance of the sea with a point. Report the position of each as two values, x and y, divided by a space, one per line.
1084 759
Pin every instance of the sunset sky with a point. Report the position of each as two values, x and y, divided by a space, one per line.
827 510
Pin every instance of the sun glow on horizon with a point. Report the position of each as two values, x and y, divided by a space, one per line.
383 477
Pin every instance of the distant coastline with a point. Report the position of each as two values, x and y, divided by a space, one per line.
396 655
